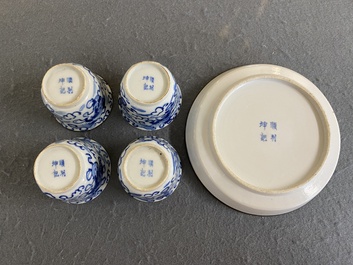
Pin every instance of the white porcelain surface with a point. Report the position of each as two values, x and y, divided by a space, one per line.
74 171
79 99
147 82
263 139
150 98
149 169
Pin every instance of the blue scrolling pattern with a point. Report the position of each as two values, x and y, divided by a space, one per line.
97 175
91 114
169 187
162 115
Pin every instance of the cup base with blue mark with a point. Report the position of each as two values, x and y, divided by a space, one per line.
150 99
149 169
79 99
74 171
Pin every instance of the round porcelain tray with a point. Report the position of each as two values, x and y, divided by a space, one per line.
263 139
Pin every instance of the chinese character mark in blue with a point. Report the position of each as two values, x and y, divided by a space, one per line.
56 172
263 124
149 84
54 163
63 89
146 163
274 137
273 125
263 137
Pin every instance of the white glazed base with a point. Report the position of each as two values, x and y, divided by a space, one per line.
262 139
149 169
147 82
73 171
79 99
64 85
58 168
150 99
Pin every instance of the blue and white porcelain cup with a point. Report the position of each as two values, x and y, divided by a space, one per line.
74 171
150 98
79 99
149 169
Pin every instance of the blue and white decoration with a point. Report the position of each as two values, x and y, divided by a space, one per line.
96 175
165 189
161 115
92 112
